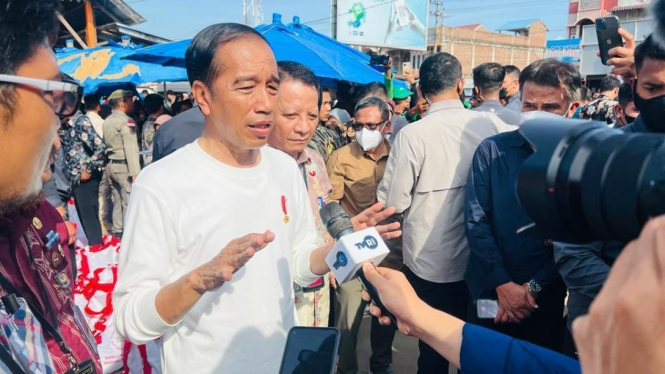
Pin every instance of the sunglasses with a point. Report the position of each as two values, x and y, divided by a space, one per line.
66 93
370 126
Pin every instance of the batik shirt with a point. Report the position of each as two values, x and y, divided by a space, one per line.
83 148
325 141
314 307
601 109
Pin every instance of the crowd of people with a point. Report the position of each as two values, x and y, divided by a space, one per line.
216 194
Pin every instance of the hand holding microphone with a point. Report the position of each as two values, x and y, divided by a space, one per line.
353 249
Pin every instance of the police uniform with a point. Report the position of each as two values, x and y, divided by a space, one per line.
123 158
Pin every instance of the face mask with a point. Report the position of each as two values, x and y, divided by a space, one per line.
629 119
369 139
527 116
503 93
652 111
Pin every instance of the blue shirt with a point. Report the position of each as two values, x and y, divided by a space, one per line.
487 352
177 133
492 217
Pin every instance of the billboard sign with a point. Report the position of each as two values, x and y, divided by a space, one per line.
567 50
400 24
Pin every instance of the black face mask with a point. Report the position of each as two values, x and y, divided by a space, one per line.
652 111
503 93
629 119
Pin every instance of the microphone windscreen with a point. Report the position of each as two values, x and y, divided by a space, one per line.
335 219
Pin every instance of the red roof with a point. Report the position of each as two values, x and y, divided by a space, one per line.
470 27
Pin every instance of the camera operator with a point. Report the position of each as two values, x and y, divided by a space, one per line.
585 268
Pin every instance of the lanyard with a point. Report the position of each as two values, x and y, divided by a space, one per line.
304 174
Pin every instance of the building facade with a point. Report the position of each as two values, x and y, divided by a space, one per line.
516 43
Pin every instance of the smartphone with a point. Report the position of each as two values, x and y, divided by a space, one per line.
310 350
378 59
402 16
607 30
487 309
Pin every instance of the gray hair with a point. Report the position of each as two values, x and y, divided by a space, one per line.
373 102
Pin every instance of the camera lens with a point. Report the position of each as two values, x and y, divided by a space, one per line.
587 182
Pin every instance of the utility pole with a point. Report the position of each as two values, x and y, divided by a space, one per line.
333 19
438 17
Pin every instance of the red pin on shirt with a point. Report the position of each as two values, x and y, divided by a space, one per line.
286 214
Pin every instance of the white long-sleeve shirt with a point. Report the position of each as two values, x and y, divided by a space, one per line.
183 210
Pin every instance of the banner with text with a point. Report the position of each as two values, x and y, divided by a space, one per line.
568 50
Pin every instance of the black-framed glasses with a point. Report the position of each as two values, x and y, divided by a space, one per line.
66 93
369 125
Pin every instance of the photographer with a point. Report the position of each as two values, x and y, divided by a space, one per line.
585 268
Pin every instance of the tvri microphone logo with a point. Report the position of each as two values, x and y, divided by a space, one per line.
369 242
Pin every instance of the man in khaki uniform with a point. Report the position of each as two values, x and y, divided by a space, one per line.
123 154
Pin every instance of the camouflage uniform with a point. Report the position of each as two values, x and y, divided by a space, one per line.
325 141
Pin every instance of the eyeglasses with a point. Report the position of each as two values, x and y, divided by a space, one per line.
358 126
66 93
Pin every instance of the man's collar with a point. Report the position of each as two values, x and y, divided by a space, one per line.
303 157
444 105
517 140
516 96
358 152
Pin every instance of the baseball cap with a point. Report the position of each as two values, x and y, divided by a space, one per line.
119 94
400 92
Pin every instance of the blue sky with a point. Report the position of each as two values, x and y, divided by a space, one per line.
178 19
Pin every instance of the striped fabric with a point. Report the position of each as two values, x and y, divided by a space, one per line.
22 332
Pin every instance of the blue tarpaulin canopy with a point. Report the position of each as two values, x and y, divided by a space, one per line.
329 59
104 67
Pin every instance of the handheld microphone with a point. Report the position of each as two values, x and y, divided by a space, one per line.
352 250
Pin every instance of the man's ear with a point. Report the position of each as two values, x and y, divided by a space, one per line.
460 86
573 109
203 96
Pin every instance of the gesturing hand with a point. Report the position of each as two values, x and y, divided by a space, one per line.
371 217
212 275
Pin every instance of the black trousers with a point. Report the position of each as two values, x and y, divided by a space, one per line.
544 327
381 340
86 198
451 298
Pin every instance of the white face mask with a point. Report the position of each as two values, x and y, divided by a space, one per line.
526 116
369 139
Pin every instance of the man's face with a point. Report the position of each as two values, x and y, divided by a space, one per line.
171 97
128 105
326 106
372 115
512 84
296 117
651 79
29 141
240 103
546 99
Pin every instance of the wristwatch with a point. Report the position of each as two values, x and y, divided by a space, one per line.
534 286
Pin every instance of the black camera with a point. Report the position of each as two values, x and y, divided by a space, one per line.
587 182
379 59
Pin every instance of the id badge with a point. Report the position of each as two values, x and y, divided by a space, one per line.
85 367
85 329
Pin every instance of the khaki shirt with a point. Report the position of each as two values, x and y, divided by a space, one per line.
121 143
425 178
355 176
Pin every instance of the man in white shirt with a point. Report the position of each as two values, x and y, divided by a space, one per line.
215 314
425 178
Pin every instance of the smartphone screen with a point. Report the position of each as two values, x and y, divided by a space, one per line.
487 309
310 350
